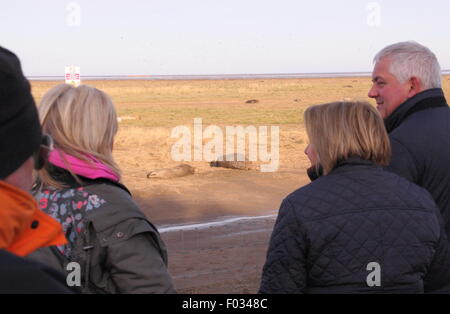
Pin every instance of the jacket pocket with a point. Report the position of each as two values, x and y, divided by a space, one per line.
129 228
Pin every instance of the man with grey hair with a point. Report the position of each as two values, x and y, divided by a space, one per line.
407 88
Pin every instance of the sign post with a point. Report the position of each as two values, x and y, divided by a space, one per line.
73 76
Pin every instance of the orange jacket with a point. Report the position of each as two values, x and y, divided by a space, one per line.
24 228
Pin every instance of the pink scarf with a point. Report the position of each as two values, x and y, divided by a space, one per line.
82 168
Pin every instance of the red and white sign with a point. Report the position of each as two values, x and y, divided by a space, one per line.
73 76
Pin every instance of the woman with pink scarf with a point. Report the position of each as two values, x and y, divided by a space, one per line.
117 249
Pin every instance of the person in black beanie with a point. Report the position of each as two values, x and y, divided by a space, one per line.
23 227
19 124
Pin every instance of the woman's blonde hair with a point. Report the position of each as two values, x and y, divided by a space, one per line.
340 130
82 121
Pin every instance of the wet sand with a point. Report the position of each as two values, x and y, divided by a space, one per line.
219 259
217 228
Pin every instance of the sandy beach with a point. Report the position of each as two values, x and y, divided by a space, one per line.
220 259
217 238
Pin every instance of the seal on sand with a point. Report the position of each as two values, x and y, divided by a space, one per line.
235 164
169 173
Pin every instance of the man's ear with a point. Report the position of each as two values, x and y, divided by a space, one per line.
415 86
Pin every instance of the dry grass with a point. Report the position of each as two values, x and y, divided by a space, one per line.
223 102
171 103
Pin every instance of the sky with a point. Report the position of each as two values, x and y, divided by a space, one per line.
196 37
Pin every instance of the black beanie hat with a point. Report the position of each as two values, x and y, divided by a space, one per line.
20 130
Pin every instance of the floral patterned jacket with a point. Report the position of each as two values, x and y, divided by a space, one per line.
117 248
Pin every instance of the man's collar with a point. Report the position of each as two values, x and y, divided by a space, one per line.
430 98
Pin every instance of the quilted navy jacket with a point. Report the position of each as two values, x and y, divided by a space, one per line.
330 233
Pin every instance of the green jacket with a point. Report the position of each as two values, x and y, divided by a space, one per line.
117 248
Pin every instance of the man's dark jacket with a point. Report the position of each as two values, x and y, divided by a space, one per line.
419 130
329 234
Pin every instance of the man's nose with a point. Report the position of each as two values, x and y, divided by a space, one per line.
372 92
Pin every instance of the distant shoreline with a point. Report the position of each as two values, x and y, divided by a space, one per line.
203 77
211 77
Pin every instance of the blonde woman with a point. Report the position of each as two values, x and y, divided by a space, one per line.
117 248
357 228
